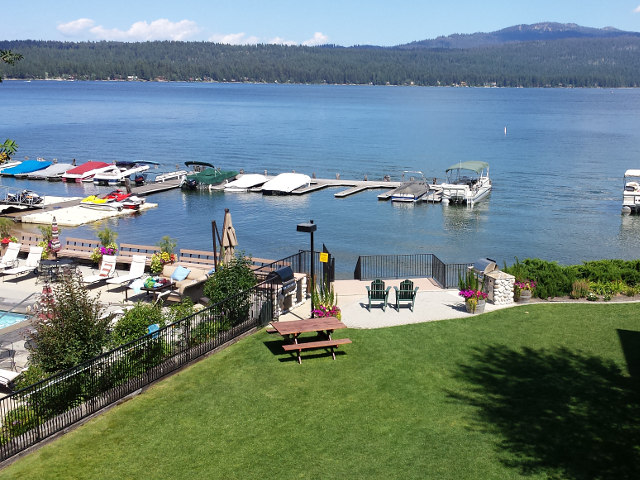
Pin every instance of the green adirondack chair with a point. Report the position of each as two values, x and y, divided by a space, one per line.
406 293
377 292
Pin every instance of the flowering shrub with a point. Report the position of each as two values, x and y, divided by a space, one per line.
473 294
526 285
7 240
98 252
159 260
330 311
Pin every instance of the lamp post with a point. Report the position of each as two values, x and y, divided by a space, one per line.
310 228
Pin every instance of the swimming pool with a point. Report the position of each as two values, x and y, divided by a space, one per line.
10 318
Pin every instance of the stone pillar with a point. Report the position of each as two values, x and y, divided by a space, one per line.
500 287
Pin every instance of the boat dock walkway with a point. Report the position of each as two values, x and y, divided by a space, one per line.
356 186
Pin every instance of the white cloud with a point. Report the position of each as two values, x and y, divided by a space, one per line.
319 38
637 9
234 39
161 29
75 27
281 41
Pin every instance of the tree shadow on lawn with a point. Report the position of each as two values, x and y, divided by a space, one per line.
558 412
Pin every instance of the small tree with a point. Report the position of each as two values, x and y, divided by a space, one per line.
167 244
69 327
6 224
232 282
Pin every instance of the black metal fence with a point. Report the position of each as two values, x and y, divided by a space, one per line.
419 265
38 411
301 263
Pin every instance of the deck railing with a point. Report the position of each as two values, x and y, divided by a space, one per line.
38 411
419 265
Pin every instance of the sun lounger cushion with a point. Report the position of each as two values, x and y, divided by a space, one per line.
7 376
180 273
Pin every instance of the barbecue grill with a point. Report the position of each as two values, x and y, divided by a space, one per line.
284 276
485 265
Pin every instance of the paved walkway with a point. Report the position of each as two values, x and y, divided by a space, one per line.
432 303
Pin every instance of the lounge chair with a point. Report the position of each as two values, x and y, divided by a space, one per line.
377 292
107 271
138 262
10 257
7 377
31 264
406 293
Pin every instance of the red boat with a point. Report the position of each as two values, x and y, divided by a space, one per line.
127 200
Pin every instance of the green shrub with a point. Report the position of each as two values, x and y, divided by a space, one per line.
207 331
135 322
18 421
167 244
231 283
552 280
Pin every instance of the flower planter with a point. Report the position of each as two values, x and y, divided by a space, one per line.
473 307
480 306
525 296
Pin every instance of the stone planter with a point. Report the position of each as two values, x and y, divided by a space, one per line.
525 296
480 306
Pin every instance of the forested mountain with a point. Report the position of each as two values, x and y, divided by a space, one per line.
545 31
583 61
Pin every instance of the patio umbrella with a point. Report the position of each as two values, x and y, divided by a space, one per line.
55 236
229 239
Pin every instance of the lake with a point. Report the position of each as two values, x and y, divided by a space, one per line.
557 173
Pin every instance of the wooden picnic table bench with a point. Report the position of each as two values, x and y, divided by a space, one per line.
324 326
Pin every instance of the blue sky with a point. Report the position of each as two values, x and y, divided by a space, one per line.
343 22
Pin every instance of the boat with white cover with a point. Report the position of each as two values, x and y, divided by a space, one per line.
119 172
631 192
467 182
51 173
414 188
245 183
285 183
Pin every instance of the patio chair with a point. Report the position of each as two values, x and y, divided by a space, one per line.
406 293
107 271
377 292
7 377
138 263
31 264
10 257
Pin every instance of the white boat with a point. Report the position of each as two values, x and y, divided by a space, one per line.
84 172
119 172
414 188
9 164
167 176
51 173
285 183
245 183
467 182
631 192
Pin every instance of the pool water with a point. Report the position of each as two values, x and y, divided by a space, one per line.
10 318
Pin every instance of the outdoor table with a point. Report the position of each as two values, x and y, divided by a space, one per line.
157 290
322 325
52 269
294 328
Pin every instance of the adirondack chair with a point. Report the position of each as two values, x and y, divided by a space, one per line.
377 292
406 293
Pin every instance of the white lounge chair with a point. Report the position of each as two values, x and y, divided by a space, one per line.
107 270
7 377
138 263
32 262
10 257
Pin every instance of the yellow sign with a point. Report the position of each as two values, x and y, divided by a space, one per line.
324 257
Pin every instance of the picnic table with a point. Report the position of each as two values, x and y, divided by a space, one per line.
324 326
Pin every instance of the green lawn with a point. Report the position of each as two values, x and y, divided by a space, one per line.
538 391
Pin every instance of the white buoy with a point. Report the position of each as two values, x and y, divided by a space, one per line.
505 130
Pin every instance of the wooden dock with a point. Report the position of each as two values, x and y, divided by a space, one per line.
355 186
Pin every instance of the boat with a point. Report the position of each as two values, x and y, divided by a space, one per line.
25 168
204 175
414 188
631 192
117 173
467 182
162 177
24 197
246 183
285 183
9 164
93 201
84 172
128 201
52 172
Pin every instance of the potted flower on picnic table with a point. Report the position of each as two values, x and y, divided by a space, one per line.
522 290
474 300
